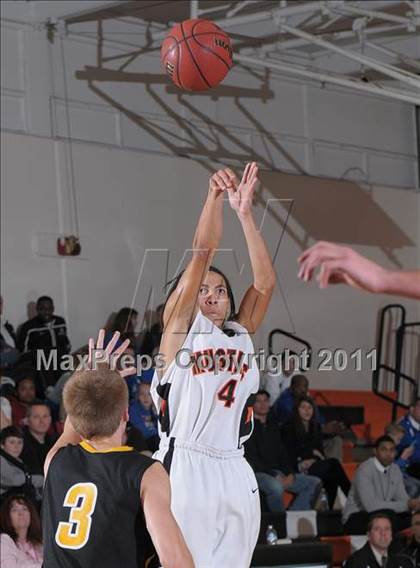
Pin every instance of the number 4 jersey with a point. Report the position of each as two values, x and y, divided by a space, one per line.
91 507
207 392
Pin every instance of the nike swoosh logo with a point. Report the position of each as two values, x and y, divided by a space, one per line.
254 490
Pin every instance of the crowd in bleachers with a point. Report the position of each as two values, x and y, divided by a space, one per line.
293 451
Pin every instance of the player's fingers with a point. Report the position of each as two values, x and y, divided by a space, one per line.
129 371
91 347
100 340
118 352
112 343
233 196
232 176
225 178
246 172
219 181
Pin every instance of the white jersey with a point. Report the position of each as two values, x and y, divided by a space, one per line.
205 396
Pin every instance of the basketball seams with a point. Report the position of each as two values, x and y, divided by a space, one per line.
177 41
210 50
193 59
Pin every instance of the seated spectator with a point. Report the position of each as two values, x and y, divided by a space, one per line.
303 439
378 486
268 458
45 332
275 385
25 395
411 425
8 352
15 476
406 549
397 433
37 442
282 412
143 416
375 552
21 540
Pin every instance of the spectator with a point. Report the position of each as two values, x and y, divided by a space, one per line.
15 476
283 409
45 332
375 552
25 395
125 322
8 352
406 550
275 385
37 442
303 438
268 458
378 486
143 416
21 540
397 433
152 335
411 425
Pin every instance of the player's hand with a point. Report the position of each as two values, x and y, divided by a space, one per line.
340 265
241 197
223 180
109 355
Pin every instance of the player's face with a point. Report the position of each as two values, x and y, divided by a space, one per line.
20 516
385 453
13 446
144 396
380 535
39 420
306 411
26 390
213 299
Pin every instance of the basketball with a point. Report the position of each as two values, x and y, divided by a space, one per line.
196 54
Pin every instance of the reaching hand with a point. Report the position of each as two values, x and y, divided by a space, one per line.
223 180
108 355
340 265
240 198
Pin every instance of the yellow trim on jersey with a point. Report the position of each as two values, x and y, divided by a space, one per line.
89 448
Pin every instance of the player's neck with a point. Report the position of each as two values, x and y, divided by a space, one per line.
101 444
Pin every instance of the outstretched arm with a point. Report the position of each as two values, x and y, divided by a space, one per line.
69 435
180 306
342 265
255 302
155 495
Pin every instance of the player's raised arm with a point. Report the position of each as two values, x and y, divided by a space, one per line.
155 495
180 306
342 265
257 298
97 355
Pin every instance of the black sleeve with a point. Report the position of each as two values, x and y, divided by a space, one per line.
21 336
284 461
291 444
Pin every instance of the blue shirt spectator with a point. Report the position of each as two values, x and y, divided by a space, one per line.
411 425
144 417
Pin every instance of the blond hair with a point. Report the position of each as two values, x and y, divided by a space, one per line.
95 401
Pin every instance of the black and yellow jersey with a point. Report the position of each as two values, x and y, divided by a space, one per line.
91 505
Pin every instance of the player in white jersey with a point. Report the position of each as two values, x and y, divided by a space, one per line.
205 392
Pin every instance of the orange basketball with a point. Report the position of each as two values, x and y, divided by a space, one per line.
196 54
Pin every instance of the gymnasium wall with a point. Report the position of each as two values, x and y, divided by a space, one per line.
131 202
131 193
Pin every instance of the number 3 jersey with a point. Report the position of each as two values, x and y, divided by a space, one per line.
206 394
91 507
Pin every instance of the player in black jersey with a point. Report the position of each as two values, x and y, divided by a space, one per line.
95 488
